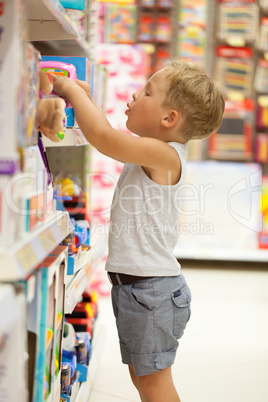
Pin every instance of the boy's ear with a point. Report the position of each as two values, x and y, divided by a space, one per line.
171 118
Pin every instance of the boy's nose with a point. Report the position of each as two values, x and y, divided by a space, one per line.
134 95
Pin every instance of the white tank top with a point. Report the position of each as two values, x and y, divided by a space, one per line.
144 224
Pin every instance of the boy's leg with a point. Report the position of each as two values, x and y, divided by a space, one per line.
156 387
135 380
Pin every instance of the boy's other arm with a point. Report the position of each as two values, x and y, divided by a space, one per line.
148 152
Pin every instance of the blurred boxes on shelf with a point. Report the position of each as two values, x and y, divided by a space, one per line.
25 198
233 140
13 343
263 234
50 331
12 81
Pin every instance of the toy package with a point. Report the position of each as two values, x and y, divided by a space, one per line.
238 21
263 234
59 68
262 42
30 99
262 112
120 23
234 69
233 140
13 82
73 67
192 27
163 30
261 151
14 336
261 76
264 5
52 118
63 69
146 27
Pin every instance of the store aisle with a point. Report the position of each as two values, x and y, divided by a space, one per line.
223 355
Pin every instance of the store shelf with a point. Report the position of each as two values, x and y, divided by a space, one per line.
81 278
52 30
97 347
231 156
67 47
8 302
23 257
48 20
215 254
72 137
79 260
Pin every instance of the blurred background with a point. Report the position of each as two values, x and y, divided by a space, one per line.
58 338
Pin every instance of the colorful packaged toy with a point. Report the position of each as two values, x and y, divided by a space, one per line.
234 68
163 30
238 21
146 27
233 140
84 71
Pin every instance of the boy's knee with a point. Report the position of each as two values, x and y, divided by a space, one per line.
153 391
147 385
158 386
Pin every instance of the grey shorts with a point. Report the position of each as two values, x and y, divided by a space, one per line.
151 316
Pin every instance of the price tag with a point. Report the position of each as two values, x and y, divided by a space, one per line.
236 42
263 100
27 257
235 96
62 224
47 240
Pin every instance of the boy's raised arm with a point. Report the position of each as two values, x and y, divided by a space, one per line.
144 151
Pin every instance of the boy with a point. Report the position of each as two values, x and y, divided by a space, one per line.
150 297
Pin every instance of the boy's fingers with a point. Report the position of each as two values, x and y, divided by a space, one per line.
53 76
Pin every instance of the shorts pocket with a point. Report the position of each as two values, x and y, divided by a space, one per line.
143 296
182 310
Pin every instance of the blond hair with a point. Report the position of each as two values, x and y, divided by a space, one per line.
199 100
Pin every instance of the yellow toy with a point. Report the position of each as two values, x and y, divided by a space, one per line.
263 234
265 209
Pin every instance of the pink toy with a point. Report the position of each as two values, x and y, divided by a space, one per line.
59 68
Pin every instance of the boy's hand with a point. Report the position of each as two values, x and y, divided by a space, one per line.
84 85
61 84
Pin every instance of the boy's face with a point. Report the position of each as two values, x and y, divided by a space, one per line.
145 111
